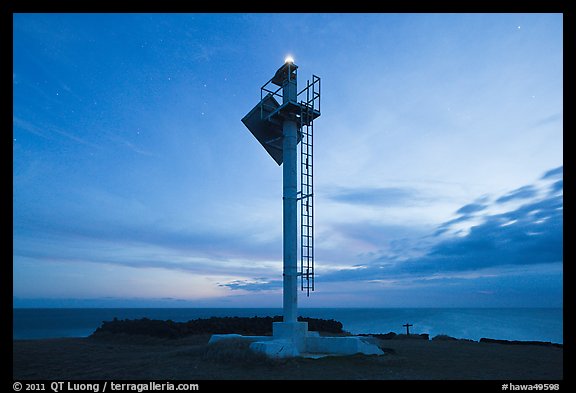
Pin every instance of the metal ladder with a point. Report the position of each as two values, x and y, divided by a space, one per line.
306 199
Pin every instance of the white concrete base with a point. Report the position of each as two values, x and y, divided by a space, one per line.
293 339
316 346
293 332
341 346
276 348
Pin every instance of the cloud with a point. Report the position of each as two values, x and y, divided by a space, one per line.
531 234
554 173
143 245
519 238
256 285
528 235
557 186
548 120
499 243
525 192
442 228
374 196
47 130
109 219
192 265
376 235
126 143
29 127
471 208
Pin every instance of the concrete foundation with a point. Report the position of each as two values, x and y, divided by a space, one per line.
291 339
293 332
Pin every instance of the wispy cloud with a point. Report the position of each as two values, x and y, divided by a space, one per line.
203 244
525 192
48 130
29 127
374 196
557 186
261 284
548 120
471 208
130 145
554 173
499 243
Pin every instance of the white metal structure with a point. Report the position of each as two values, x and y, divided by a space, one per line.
279 128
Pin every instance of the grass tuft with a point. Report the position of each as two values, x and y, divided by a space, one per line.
237 351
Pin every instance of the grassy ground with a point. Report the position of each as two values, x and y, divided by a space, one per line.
137 357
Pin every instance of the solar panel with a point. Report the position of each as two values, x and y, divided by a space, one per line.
267 132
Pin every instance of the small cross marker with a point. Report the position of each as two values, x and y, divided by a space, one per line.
407 326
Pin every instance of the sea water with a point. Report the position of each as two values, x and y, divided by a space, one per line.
529 324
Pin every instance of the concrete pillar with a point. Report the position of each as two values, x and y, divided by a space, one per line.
290 221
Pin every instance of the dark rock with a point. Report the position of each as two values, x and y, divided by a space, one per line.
386 336
257 326
423 336
444 337
322 325
516 342
392 335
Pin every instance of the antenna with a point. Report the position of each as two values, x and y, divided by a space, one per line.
279 128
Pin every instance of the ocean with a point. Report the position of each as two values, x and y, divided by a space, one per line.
531 324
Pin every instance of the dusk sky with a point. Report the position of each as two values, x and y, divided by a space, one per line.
438 159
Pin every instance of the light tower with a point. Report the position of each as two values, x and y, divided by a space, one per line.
285 77
290 115
279 128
